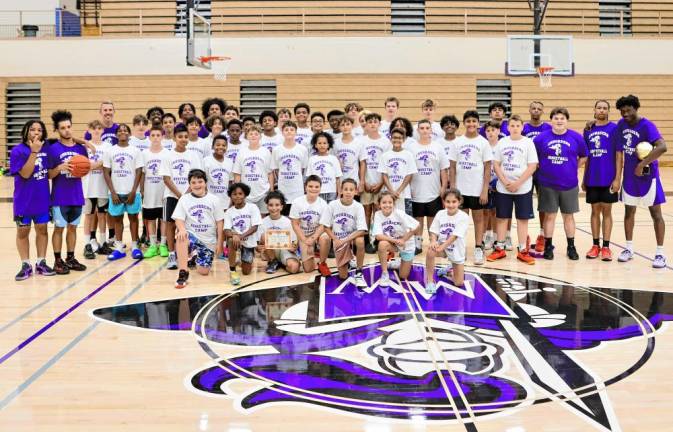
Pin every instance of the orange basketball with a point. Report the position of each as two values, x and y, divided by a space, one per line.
80 165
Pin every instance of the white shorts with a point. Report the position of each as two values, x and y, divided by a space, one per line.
457 255
654 196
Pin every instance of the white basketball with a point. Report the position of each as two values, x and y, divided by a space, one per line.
643 149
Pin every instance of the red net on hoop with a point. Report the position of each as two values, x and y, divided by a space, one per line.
218 64
545 73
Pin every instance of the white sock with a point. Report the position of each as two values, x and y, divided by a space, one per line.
660 251
39 260
541 232
93 243
509 234
119 246
419 241
522 247
163 240
153 239
629 245
26 261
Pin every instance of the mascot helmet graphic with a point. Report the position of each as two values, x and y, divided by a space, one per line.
493 346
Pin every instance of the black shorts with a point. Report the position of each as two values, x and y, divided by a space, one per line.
523 204
169 208
428 209
471 203
93 205
601 194
153 213
491 200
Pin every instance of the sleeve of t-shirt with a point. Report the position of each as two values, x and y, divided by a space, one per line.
487 152
237 164
197 161
326 217
293 235
363 153
179 212
165 169
497 156
410 222
140 160
361 222
219 210
294 209
274 163
227 220
461 227
582 150
532 153
444 161
452 152
256 217
262 227
411 163
309 168
653 133
17 159
434 228
383 165
378 221
337 167
107 159
304 160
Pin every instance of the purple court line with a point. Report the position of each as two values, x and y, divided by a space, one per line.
64 314
619 246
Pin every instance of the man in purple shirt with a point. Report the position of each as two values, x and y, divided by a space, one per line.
28 165
496 112
602 177
640 185
67 196
532 129
560 153
107 113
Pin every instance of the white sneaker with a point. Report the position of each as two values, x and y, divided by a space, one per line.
359 279
394 264
478 256
352 263
508 243
625 255
172 262
385 279
489 240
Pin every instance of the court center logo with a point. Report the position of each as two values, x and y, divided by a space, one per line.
497 344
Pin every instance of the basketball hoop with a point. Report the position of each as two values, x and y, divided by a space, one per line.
545 74
218 64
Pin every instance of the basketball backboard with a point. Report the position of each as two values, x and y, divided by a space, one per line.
525 53
198 38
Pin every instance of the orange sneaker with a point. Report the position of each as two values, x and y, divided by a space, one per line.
324 270
539 243
606 254
523 256
593 252
496 255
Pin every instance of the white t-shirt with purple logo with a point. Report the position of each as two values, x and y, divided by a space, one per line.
308 213
168 144
282 223
558 157
241 220
303 137
201 146
95 180
398 165
349 157
344 219
445 225
271 142
290 164
628 137
437 131
372 150
254 167
123 162
470 154
141 144
326 167
177 166
601 166
446 145
219 175
201 215
514 157
154 186
395 225
430 160
234 149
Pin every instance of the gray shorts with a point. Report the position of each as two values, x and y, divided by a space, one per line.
550 200
283 255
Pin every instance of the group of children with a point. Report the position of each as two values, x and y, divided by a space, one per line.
366 184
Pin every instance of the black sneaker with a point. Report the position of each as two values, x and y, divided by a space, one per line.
75 265
192 263
183 276
370 248
572 253
418 251
25 272
104 249
272 267
88 252
548 252
60 268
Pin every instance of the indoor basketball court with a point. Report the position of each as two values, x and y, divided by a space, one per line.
561 345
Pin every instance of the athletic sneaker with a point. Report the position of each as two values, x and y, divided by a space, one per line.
151 251
625 255
524 257
571 252
359 279
508 243
104 249
60 268
594 252
183 276
324 270
25 272
43 269
272 266
606 254
444 272
136 253
235 279
191 263
430 288
88 252
116 255
496 255
418 251
478 256
385 279
394 264
548 252
659 261
75 265
163 250
489 241
539 243
172 262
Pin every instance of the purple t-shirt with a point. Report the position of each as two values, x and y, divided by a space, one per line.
31 195
109 134
601 165
503 130
557 155
66 190
627 138
531 131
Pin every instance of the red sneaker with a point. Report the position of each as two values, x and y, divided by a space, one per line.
606 254
324 270
539 244
523 256
496 255
593 252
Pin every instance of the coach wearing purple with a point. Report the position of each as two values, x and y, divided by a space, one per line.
560 153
